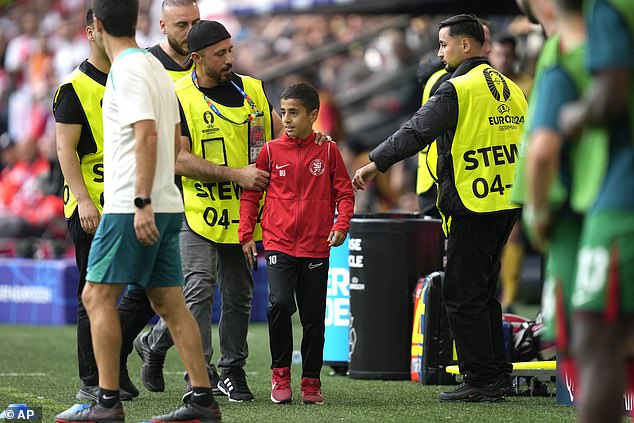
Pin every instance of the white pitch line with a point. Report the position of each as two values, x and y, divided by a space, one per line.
22 374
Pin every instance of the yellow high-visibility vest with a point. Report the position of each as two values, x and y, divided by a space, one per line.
212 209
491 113
178 74
428 157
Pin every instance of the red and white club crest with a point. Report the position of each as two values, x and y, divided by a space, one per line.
317 167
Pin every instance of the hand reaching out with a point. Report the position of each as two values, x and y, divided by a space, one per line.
363 175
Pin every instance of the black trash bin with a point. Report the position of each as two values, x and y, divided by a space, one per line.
388 253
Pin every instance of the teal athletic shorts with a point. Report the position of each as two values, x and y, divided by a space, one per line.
117 256
605 266
560 277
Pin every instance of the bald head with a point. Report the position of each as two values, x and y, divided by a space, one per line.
176 3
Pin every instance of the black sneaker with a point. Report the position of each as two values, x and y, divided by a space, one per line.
94 413
507 384
152 369
213 380
90 393
466 392
233 383
191 412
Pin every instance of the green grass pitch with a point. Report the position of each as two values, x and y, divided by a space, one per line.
38 366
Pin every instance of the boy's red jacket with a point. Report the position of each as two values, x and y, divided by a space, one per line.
308 181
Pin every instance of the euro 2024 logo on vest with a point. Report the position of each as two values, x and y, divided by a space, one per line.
497 84
208 117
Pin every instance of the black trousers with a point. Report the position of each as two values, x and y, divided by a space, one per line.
305 279
469 291
134 310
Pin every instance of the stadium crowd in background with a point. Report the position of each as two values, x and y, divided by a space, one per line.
42 41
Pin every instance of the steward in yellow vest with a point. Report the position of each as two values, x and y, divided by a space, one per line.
476 118
87 83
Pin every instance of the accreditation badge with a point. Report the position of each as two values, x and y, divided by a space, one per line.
256 137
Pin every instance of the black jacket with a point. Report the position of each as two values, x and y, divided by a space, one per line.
436 120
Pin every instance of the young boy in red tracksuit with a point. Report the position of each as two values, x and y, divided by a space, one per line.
308 182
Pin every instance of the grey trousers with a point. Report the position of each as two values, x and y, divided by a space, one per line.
204 263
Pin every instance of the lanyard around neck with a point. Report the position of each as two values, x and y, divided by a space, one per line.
213 107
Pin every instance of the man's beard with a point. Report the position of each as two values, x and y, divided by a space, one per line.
219 77
178 48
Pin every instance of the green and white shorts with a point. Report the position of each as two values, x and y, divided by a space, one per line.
605 266
117 256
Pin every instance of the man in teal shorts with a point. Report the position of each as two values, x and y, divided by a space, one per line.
136 242
603 297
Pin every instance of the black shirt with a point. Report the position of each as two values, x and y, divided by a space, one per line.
167 62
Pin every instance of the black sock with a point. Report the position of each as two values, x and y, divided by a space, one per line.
108 398
202 396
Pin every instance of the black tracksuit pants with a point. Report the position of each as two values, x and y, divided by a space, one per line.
134 310
306 280
474 249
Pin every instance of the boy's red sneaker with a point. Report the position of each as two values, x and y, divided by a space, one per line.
281 385
311 391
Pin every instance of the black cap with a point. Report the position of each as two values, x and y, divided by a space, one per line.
206 33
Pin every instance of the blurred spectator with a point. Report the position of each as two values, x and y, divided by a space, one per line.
7 152
20 48
503 57
27 210
68 51
145 36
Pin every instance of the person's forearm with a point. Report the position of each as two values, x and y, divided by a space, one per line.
145 153
71 170
542 164
194 167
